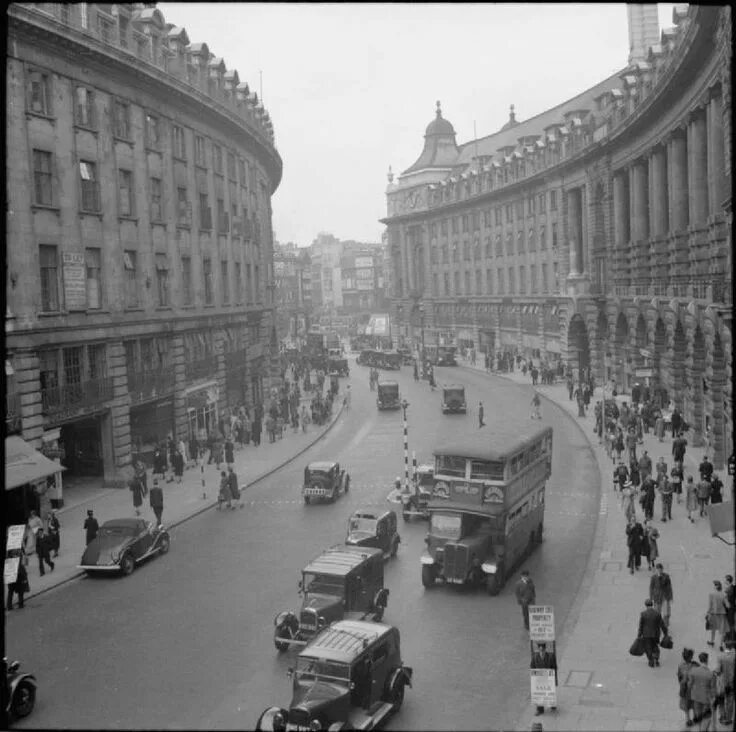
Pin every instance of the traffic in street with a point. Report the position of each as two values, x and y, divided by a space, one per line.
187 640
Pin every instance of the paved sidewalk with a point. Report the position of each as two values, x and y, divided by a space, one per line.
602 687
182 500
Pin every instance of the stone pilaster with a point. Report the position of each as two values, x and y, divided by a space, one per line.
116 472
697 169
217 338
677 181
178 361
716 162
28 383
694 404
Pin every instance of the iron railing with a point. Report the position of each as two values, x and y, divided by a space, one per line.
146 385
77 396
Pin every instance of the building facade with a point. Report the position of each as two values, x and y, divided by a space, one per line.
139 244
292 272
598 232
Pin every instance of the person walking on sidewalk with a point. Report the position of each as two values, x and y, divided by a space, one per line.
570 387
43 550
725 681
542 658
627 501
631 444
648 487
232 479
705 468
156 499
159 463
645 465
716 614
136 487
229 452
716 486
660 593
703 495
481 423
20 587
54 529
91 527
526 595
178 465
634 539
683 677
665 494
224 495
651 627
651 535
678 448
691 498
676 476
701 687
619 444
730 593
621 475
536 406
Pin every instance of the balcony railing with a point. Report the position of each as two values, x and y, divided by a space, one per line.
202 368
76 397
713 288
12 413
146 385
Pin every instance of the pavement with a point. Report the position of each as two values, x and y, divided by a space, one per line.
602 687
182 501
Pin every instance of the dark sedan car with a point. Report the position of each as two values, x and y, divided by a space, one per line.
122 543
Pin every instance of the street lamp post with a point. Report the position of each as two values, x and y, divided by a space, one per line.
404 405
421 322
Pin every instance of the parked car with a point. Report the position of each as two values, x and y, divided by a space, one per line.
388 395
123 543
324 481
367 527
350 676
415 504
342 582
453 399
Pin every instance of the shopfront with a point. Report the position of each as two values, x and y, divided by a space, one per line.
150 424
202 412
81 443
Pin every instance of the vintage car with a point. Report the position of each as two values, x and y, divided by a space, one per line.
367 527
338 365
388 395
453 399
324 480
122 543
415 503
407 358
343 581
349 677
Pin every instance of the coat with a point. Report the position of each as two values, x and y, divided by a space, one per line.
21 581
701 685
137 487
156 497
178 463
651 624
660 588
691 496
91 527
233 485
525 592
634 537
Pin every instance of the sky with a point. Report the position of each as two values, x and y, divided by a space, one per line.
351 87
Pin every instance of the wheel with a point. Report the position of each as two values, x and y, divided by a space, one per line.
396 695
24 699
306 500
394 547
127 564
164 545
494 582
378 614
429 574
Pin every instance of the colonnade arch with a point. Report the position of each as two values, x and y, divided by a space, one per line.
578 346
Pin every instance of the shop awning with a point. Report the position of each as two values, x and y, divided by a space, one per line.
24 464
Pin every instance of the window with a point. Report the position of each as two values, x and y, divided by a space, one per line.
106 29
200 151
207 276
556 276
542 237
72 360
509 213
121 119
90 187
156 203
500 282
231 166
42 178
162 280
519 209
39 93
131 279
467 283
248 284
509 243
180 150
238 284
49 266
153 131
93 267
465 220
498 216
487 218
217 159
446 278
84 109
553 200
241 172
454 225
478 282
183 213
542 202
519 242
125 187
186 280
532 244
443 227
466 251
522 279
530 205
476 220
97 361
456 283
545 281
225 282
499 245
435 284
533 278
205 214
554 235
489 281
256 270
223 224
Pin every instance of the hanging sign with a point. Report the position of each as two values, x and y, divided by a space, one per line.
75 288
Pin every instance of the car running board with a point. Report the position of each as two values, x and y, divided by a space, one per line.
361 719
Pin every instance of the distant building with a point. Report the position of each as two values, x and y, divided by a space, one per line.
292 273
597 233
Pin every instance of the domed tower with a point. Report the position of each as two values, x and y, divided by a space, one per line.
439 155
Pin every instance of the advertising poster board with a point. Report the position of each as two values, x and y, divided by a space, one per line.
541 623
543 689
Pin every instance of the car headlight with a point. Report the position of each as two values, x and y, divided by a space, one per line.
315 725
280 618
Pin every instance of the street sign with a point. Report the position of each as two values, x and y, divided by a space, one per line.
541 623
543 689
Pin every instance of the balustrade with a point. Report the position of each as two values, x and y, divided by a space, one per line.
78 396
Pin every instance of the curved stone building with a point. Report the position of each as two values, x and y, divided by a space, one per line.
601 226
140 171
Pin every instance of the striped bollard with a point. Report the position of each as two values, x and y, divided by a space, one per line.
404 405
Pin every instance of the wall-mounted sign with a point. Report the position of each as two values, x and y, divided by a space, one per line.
75 289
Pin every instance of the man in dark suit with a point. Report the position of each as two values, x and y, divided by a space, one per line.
525 595
542 658
651 626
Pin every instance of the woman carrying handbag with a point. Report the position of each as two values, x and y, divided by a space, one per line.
716 617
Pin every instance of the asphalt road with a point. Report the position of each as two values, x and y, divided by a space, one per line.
186 640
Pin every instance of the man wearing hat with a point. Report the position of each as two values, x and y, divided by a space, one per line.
90 526
525 595
651 627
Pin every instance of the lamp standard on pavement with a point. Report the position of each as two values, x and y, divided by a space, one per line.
404 405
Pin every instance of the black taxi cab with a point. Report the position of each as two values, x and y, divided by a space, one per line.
388 395
368 527
324 480
453 399
350 676
342 582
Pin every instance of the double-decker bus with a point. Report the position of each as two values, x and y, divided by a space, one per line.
486 512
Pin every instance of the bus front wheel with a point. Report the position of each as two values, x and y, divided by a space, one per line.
428 575
494 582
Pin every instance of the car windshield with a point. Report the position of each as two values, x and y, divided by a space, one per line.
388 388
117 530
445 526
323 584
426 480
310 669
363 524
454 394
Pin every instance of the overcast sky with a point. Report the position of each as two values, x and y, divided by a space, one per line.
351 88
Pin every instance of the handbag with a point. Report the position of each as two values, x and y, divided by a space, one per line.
708 623
666 642
637 647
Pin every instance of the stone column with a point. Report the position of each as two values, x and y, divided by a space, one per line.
677 188
716 161
697 147
118 426
575 231
639 202
658 193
